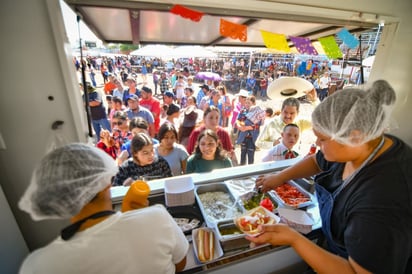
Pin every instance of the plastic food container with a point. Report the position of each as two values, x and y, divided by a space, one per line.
293 203
297 219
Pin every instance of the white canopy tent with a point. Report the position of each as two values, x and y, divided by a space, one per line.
192 51
368 62
159 51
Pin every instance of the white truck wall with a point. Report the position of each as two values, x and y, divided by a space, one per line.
35 67
13 247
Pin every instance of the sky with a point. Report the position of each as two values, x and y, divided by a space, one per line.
70 22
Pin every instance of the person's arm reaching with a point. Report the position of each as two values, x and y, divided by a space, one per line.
302 169
318 258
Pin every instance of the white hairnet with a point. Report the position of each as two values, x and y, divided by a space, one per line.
355 116
66 180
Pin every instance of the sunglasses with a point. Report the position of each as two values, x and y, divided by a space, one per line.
118 123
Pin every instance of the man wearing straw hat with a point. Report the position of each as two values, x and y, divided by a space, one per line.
287 89
271 132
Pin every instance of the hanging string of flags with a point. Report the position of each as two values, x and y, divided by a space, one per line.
275 41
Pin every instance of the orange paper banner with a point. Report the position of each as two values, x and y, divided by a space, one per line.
275 41
232 30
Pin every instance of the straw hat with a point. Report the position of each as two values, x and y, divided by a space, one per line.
285 87
243 93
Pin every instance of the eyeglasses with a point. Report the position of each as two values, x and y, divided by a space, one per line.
118 123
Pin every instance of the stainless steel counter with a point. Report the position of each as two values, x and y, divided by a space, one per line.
218 175
264 259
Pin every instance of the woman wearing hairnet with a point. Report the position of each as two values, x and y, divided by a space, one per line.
74 182
363 185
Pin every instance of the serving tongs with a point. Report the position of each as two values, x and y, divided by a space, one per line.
258 191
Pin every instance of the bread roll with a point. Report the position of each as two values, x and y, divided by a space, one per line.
205 244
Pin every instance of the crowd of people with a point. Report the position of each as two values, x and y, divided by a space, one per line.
185 109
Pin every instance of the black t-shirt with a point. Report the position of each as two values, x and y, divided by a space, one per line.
372 216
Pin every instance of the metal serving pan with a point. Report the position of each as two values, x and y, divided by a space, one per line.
252 199
230 237
284 204
306 184
217 203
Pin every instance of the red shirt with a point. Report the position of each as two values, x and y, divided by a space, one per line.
109 87
221 133
109 150
153 105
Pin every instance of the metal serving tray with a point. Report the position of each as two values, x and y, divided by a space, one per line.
244 198
230 237
306 184
281 203
215 201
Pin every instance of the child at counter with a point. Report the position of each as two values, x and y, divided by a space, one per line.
208 154
284 150
168 148
143 163
136 125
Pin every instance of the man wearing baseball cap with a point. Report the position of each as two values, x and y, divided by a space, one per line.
97 110
204 91
168 98
152 104
135 110
132 89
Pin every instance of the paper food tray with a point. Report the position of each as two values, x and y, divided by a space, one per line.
179 191
275 219
297 219
218 249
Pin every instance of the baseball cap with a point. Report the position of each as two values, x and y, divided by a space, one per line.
147 89
205 86
133 97
169 94
89 86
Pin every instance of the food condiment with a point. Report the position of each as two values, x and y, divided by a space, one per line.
312 150
291 195
136 196
229 230
267 203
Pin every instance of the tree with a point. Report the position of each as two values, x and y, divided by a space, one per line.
127 48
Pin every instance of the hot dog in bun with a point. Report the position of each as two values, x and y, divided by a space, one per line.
205 244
